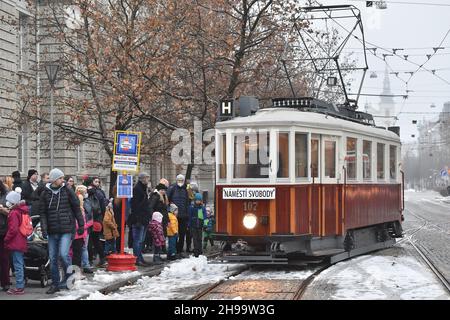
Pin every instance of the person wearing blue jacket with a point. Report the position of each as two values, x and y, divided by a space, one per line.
197 216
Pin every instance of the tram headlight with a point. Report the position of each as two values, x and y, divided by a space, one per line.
250 220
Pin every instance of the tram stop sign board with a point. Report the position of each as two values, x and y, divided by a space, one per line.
127 146
125 186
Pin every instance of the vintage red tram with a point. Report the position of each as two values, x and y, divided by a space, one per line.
304 179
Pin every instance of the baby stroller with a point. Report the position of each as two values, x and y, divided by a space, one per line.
36 259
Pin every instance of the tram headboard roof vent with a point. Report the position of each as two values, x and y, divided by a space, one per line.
395 130
315 105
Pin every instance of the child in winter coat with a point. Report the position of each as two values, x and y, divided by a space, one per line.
197 216
79 240
208 228
172 232
15 242
110 231
156 230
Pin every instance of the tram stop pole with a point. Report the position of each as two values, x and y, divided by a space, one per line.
122 261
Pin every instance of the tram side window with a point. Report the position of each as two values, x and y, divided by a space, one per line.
283 155
380 161
351 158
330 159
315 158
251 156
367 159
223 157
393 162
301 155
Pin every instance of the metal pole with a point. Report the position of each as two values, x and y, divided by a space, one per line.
51 130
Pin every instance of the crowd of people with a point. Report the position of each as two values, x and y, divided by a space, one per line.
80 223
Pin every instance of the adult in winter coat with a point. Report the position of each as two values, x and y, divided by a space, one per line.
178 195
140 216
36 195
158 202
95 245
15 241
100 193
4 253
197 216
59 209
29 186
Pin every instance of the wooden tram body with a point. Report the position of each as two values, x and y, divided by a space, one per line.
337 184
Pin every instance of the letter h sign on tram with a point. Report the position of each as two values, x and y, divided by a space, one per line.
226 109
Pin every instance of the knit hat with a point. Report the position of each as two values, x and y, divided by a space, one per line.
180 177
15 196
55 174
157 216
198 196
142 175
161 186
173 207
31 172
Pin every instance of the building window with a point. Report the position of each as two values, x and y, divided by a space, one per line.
251 155
330 159
367 159
315 158
283 155
351 158
380 161
301 155
21 149
223 156
393 162
22 40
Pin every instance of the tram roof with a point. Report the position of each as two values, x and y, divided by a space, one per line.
287 117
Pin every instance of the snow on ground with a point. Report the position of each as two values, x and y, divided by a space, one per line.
273 275
101 279
382 277
426 196
174 282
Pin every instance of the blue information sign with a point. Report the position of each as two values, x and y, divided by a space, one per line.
127 144
125 186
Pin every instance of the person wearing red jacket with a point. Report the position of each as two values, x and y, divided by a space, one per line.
15 242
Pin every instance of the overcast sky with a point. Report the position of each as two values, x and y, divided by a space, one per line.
407 26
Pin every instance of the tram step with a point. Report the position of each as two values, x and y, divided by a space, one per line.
327 252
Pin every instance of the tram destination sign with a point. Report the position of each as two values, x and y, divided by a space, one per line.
248 193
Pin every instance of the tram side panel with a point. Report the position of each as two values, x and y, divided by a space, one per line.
319 210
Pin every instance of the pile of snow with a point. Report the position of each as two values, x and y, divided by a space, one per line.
175 281
382 277
102 278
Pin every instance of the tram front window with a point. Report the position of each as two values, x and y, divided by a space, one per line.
301 155
283 155
251 155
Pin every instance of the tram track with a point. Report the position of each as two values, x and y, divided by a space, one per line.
423 252
272 289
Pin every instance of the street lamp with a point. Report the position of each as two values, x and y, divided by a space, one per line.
52 70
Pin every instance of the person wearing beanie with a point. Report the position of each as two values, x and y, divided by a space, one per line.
140 216
15 242
197 216
156 230
172 232
59 209
178 194
158 203
30 186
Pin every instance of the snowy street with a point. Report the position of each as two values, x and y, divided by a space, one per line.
394 273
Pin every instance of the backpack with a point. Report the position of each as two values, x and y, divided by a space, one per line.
88 209
26 226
